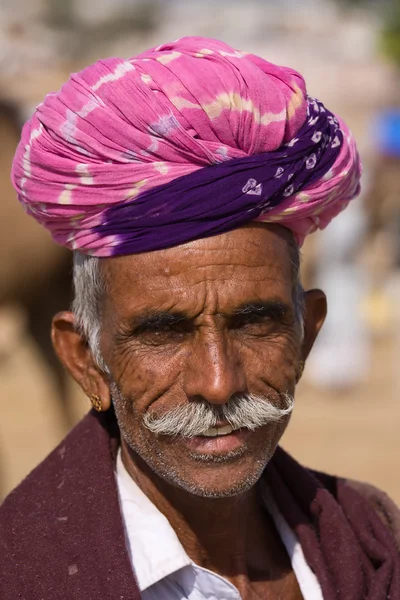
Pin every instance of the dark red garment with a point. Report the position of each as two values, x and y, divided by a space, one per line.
62 537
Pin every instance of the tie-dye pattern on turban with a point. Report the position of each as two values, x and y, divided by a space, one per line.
184 141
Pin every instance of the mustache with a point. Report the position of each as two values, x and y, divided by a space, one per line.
242 411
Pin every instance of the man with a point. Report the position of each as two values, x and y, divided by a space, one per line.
185 180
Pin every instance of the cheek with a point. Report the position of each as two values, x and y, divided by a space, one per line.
146 375
273 362
156 374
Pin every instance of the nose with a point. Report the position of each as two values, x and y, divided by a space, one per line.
214 371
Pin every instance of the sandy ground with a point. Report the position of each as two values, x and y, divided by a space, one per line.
354 433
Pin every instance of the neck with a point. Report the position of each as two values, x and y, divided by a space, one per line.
230 535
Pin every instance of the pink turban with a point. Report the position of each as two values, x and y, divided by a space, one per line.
183 141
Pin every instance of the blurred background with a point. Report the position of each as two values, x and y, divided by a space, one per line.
348 404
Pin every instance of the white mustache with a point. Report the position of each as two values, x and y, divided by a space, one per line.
247 411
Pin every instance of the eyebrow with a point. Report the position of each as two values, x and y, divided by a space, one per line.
158 319
274 309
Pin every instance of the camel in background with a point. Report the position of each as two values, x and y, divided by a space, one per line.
35 282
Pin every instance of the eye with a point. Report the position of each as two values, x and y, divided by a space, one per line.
256 323
164 333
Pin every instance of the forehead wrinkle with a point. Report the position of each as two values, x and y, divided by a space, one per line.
221 257
220 261
214 292
204 296
249 246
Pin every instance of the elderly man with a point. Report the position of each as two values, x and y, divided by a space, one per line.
185 180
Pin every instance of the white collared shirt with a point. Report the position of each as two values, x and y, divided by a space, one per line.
162 568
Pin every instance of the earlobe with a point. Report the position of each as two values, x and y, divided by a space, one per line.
315 314
74 353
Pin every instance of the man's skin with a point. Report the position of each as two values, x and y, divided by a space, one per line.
173 331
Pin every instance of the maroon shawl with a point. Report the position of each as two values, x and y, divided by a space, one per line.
62 538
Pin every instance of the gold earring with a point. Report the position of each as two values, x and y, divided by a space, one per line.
96 402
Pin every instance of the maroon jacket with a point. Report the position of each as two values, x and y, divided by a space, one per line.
62 538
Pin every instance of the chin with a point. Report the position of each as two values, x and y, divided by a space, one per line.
226 490
217 479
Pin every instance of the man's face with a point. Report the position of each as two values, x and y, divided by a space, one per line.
202 322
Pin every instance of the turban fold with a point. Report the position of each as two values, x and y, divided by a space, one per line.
186 140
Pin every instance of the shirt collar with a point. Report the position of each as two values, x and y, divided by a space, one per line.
153 545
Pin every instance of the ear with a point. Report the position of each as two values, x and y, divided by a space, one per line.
74 353
315 314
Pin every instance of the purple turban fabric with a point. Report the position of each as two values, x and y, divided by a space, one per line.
184 141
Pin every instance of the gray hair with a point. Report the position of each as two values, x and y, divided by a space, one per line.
90 287
242 411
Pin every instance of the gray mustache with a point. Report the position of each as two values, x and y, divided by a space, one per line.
247 411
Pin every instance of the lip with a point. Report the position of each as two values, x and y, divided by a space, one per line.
218 445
